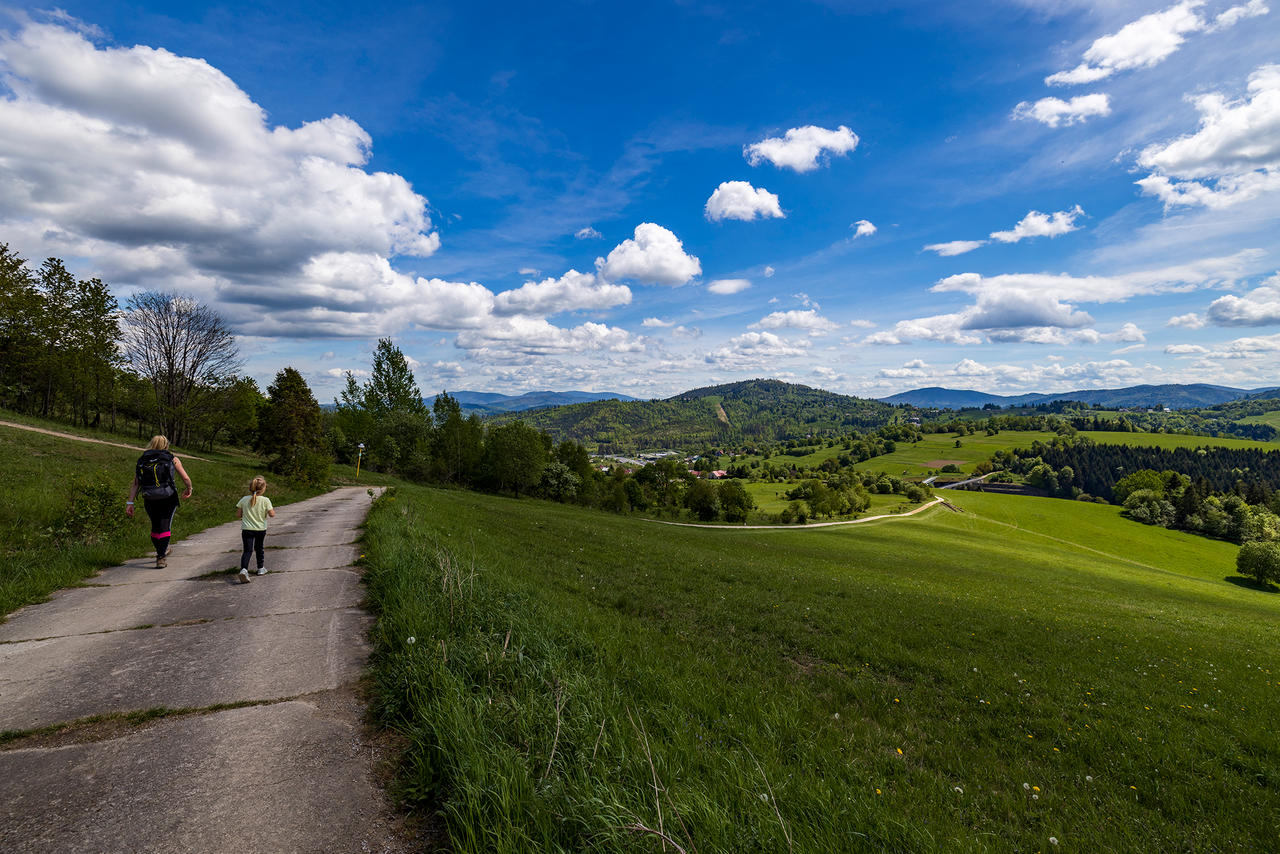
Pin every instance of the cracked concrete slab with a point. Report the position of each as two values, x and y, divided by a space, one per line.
292 775
227 661
86 610
287 777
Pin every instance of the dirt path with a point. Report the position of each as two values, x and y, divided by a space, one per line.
61 435
178 710
808 526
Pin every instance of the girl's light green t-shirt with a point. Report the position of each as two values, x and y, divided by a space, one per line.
254 518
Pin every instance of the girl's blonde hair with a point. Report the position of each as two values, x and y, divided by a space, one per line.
257 486
158 443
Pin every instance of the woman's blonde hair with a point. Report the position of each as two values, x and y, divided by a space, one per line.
158 443
257 486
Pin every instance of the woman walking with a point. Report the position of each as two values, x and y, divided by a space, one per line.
252 511
154 477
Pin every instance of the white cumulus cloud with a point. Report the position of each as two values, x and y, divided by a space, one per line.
728 286
587 233
1036 224
740 200
1038 308
1055 111
655 256
1138 44
863 228
955 247
573 291
536 337
165 172
755 350
807 319
800 148
1258 307
1234 156
1190 321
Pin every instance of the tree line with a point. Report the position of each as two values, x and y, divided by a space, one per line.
161 363
1225 493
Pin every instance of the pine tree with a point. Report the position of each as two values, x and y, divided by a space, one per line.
291 429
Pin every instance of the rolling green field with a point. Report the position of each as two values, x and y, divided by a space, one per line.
1174 440
937 449
63 517
771 498
1269 418
1025 675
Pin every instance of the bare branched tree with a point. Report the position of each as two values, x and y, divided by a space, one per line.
184 348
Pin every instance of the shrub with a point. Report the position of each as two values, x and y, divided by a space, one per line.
1149 507
94 508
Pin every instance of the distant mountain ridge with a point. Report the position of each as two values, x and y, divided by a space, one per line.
1172 395
752 410
487 402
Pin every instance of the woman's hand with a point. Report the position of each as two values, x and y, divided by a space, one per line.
187 494
128 510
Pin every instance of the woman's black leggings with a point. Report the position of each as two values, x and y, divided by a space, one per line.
252 543
161 511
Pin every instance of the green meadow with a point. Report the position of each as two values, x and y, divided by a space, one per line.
1270 418
1025 675
63 518
934 450
771 498
1174 440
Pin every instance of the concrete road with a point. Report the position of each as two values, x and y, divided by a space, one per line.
288 768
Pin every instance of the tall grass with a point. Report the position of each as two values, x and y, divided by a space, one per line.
63 515
583 682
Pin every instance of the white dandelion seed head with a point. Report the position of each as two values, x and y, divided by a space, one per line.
411 640
1026 786
1053 840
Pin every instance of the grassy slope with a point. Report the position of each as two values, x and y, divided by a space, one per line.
771 498
1174 440
911 458
1271 418
892 686
44 477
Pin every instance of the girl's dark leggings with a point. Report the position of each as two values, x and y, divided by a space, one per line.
161 511
252 543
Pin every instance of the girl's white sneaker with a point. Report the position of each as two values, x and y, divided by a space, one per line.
244 576
262 570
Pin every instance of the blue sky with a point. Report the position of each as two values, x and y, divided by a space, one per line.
647 198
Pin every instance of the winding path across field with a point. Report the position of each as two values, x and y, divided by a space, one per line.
255 739
811 525
15 425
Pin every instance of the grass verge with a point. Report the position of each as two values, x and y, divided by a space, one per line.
969 681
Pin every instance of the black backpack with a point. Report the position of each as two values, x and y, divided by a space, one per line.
155 474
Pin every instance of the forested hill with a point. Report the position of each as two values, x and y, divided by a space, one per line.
754 410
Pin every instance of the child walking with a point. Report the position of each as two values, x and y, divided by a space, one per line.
252 511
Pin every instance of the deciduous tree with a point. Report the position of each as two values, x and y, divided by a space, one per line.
184 348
